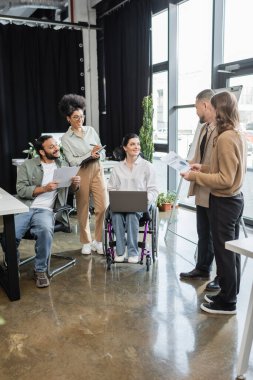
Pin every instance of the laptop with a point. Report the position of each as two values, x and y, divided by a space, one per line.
128 201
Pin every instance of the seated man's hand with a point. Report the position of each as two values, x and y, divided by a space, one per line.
51 186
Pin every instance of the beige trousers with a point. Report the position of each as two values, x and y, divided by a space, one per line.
92 182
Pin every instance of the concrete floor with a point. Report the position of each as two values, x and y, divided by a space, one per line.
123 324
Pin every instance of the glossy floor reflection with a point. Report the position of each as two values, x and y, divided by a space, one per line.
123 324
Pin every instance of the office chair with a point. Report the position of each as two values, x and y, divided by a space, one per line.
59 226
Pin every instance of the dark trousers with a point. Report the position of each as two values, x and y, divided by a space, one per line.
226 213
205 242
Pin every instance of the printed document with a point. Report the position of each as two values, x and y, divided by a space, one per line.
176 162
63 175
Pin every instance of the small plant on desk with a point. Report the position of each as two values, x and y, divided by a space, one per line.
165 201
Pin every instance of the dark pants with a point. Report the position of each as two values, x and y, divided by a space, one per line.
205 242
226 213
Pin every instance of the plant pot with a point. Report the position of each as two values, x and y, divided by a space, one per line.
165 207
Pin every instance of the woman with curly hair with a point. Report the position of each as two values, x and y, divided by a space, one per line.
79 142
225 178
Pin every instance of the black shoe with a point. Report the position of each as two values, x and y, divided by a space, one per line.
195 274
213 286
210 298
218 308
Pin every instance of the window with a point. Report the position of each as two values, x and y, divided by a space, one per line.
246 118
194 49
238 30
160 37
160 104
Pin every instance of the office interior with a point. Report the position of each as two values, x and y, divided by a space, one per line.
125 323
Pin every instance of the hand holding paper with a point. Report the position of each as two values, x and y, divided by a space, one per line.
64 175
176 162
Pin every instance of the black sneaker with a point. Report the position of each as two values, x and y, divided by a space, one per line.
210 298
41 279
195 274
218 308
213 286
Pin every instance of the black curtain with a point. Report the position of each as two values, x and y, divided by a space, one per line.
37 67
127 70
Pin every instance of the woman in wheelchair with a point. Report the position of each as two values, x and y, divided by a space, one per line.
133 173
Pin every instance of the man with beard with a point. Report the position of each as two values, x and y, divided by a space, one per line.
36 188
202 155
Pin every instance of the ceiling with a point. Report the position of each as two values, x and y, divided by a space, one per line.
41 9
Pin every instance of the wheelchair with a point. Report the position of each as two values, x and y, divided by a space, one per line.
149 224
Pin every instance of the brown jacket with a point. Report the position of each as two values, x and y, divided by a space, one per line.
228 165
202 193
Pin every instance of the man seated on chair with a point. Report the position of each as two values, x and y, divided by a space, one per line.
36 188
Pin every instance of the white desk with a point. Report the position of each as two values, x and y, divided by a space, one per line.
244 247
9 278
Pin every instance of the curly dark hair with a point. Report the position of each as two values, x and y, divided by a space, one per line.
38 143
70 103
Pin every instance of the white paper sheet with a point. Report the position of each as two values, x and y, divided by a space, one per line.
176 162
63 175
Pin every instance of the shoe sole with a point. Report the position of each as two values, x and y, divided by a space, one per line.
212 290
195 278
42 286
98 252
224 312
206 298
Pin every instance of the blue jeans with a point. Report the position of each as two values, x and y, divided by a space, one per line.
126 223
40 222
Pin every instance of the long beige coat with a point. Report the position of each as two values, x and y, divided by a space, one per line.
202 193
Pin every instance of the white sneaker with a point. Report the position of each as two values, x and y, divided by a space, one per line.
97 246
86 250
133 259
119 259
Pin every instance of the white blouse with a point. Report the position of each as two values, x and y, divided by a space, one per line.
141 177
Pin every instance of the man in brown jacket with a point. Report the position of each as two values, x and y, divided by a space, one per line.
202 155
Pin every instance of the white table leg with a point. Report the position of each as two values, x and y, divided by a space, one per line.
243 360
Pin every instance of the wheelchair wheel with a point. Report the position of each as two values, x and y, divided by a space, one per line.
148 262
155 230
105 237
108 239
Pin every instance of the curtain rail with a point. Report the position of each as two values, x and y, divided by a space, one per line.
114 8
26 20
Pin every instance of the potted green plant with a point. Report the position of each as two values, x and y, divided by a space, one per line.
31 152
146 131
165 201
